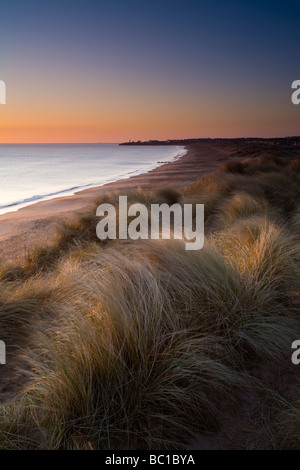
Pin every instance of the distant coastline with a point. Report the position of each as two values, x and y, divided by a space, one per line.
290 140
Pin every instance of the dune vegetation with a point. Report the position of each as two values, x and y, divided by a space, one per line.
144 345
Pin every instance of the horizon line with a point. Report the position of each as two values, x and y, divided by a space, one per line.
152 140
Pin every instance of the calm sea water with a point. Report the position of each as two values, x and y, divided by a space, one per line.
30 173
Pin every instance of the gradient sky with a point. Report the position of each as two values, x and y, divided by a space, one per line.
109 71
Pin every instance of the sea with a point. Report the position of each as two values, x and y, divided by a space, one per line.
35 172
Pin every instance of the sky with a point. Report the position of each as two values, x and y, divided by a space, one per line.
110 71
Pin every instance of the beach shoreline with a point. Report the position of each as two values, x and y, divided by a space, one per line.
22 229
74 188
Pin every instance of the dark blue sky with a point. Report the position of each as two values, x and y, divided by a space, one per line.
161 68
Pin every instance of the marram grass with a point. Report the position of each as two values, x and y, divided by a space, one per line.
144 345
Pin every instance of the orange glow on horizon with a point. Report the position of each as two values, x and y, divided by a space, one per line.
119 115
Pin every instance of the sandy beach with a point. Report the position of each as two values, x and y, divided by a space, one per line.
20 230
